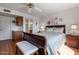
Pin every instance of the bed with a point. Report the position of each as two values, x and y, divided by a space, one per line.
55 37
54 40
47 42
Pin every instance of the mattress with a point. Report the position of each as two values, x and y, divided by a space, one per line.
54 41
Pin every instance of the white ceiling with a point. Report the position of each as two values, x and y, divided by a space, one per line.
47 8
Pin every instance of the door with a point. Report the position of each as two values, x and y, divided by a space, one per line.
26 26
5 28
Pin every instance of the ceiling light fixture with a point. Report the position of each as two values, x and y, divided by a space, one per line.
30 6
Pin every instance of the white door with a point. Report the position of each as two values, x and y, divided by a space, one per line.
5 28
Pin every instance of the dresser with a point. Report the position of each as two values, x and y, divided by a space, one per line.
17 36
72 40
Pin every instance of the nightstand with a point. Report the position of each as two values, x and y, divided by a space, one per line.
72 40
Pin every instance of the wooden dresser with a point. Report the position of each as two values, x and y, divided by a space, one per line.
17 36
72 40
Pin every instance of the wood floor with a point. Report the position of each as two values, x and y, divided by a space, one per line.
7 47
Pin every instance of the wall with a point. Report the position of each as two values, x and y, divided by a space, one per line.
25 16
5 32
70 16
35 24
7 27
14 27
12 17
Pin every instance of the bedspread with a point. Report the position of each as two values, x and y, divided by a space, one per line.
54 41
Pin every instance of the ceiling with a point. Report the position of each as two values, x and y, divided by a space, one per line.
47 8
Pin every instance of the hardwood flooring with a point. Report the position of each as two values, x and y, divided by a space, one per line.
7 47
76 50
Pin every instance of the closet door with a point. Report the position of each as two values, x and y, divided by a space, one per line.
5 28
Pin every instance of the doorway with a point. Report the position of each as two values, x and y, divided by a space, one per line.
28 25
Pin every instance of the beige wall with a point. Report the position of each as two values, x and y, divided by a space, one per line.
35 19
70 16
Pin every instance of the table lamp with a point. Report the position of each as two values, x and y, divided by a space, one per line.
42 28
74 29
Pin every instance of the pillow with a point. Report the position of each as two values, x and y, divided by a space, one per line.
49 29
59 30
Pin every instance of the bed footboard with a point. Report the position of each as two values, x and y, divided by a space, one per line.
36 40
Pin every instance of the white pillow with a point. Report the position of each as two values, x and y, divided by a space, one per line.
59 30
49 29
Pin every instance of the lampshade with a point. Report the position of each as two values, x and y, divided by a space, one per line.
42 27
74 27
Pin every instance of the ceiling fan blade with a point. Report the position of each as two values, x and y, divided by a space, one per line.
21 6
38 9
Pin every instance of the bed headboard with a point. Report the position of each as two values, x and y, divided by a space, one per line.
57 26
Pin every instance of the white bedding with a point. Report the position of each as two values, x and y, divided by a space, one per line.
54 41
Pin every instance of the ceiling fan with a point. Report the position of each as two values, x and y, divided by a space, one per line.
30 7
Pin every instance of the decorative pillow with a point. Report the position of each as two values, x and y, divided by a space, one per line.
50 29
59 30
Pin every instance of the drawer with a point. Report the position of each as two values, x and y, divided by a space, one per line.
72 41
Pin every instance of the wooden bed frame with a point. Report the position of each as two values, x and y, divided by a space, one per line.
39 41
